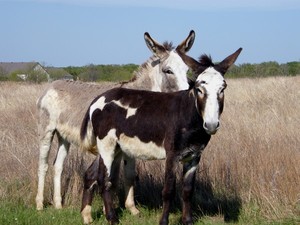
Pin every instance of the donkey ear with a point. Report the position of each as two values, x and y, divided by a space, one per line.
187 44
190 62
156 48
226 63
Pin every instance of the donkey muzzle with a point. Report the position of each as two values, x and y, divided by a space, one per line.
212 127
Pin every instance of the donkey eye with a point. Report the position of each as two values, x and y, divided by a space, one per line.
222 89
200 91
168 71
221 92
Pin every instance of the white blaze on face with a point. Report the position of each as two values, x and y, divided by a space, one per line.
212 82
179 69
173 63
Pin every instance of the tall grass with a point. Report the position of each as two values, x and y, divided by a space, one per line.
257 153
250 168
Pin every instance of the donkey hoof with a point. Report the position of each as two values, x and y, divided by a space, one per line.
87 220
39 204
114 222
164 222
187 221
39 207
57 205
86 214
57 202
135 211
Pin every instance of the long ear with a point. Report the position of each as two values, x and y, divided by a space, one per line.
186 45
190 62
156 48
226 63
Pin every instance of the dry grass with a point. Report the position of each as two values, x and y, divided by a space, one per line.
252 161
257 151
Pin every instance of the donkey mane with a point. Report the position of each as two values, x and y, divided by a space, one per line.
150 62
140 71
168 46
206 60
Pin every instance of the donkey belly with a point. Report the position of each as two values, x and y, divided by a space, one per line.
135 148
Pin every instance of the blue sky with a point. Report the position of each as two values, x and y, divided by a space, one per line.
81 32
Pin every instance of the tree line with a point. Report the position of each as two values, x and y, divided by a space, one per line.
125 72
264 69
97 73
102 72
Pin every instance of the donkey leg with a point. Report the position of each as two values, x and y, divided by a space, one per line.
105 182
91 178
115 172
129 175
45 145
89 182
168 190
63 148
188 183
107 154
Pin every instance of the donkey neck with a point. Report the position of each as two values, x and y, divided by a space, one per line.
191 131
147 77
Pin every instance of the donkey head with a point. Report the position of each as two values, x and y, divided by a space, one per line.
209 88
172 75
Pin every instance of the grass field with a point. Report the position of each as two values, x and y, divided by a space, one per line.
249 173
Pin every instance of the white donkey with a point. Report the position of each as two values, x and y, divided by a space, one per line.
63 104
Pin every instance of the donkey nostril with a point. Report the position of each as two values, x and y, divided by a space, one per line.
211 127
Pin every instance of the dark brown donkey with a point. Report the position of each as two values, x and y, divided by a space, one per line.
150 125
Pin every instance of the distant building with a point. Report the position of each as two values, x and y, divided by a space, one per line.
22 69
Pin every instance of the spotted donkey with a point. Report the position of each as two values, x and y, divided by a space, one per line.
151 125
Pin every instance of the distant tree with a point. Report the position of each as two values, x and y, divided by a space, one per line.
90 73
118 72
3 74
270 69
75 71
293 68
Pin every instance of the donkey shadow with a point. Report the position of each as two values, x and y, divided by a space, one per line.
205 202
149 185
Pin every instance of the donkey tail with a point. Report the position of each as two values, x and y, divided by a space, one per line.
88 140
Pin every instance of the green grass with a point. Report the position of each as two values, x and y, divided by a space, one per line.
16 212
20 214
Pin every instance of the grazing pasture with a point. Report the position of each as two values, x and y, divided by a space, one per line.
249 172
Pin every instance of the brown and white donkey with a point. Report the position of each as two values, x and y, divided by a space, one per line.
151 125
